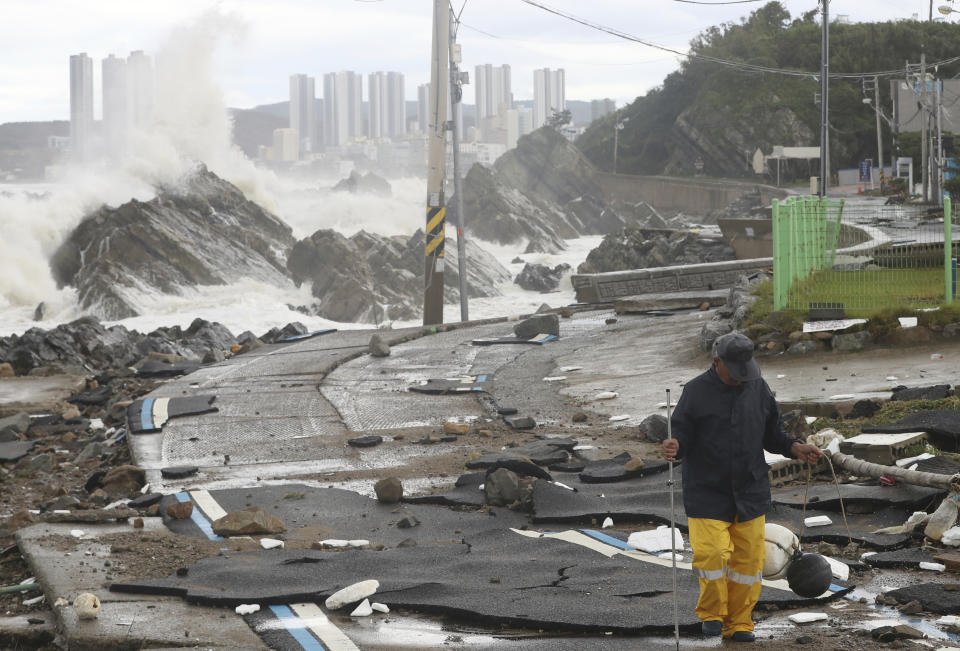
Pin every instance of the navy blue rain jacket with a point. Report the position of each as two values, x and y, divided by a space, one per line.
723 431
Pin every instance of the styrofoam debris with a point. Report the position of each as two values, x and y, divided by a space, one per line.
818 521
840 570
96 424
583 447
271 543
670 555
570 369
363 610
840 605
145 489
842 396
867 555
556 483
246 609
67 511
935 567
380 608
823 438
335 542
60 602
911 460
606 395
811 419
607 523
655 540
555 378
352 594
892 378
834 446
780 376
948 620
34 600
360 542
32 579
620 417
913 467
121 502
806 618
951 537
76 533
482 486
907 321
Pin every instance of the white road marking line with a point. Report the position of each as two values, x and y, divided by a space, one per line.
332 637
210 507
159 412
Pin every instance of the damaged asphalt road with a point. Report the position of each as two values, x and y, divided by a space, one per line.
279 440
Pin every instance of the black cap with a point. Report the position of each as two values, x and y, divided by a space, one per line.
736 352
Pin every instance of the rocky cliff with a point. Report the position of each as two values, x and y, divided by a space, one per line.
372 278
203 231
641 248
541 192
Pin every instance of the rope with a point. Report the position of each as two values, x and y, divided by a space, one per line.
806 488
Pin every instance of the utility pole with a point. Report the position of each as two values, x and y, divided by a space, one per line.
436 167
939 142
924 152
876 107
455 95
824 100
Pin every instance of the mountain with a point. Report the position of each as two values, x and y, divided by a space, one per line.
720 114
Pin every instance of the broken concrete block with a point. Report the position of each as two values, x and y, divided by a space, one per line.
548 324
935 392
656 540
363 610
248 522
87 606
180 510
806 618
388 490
352 594
378 347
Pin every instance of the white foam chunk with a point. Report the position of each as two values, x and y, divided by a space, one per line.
363 610
352 594
951 537
96 424
335 542
949 620
555 378
360 542
606 395
271 543
380 608
839 569
655 540
246 609
935 567
620 417
842 396
607 523
806 618
76 533
34 600
818 521
812 419
911 460
570 369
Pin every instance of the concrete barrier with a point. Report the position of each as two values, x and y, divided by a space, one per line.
693 196
605 287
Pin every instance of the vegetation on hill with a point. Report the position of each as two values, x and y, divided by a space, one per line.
720 115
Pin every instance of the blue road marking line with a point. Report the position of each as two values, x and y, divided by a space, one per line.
481 378
198 518
610 540
146 414
293 625
836 588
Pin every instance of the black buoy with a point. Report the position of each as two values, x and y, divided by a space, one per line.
809 575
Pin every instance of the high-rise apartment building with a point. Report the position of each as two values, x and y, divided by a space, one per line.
494 95
286 145
423 107
115 96
81 104
601 107
387 101
140 90
302 112
549 94
342 107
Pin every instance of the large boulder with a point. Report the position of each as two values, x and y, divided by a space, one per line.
368 183
642 248
540 277
202 231
248 522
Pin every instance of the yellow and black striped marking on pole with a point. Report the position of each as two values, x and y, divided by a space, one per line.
436 218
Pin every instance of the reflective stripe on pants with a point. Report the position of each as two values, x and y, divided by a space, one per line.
728 560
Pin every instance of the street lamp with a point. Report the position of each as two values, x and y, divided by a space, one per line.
946 10
618 126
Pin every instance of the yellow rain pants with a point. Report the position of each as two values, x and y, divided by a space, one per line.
728 559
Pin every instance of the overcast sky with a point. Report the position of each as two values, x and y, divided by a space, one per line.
267 40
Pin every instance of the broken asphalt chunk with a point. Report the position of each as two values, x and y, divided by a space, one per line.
178 472
617 469
15 450
148 415
934 392
511 461
365 441
520 422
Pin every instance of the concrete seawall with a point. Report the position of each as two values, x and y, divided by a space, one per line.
696 196
604 287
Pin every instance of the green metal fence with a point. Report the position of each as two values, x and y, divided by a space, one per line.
861 258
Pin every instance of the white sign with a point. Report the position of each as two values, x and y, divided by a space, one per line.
823 326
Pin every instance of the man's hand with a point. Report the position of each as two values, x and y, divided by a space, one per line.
805 452
669 449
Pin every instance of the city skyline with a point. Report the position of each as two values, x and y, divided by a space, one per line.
265 44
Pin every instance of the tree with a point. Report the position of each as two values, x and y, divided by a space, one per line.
559 118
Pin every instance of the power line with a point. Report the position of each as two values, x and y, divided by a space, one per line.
739 65
728 2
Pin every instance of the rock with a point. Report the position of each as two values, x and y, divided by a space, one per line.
518 465
632 466
911 608
540 277
704 306
178 472
123 480
520 422
909 336
70 414
653 428
203 231
42 462
502 487
352 594
451 427
935 392
368 183
388 490
365 441
951 330
643 248
547 324
248 522
180 510
580 417
606 471
145 501
91 451
544 308
6 370
87 606
864 409
802 348
378 347
408 522
13 427
406 542
852 342
711 331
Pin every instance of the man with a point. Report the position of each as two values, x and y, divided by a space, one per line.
724 420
